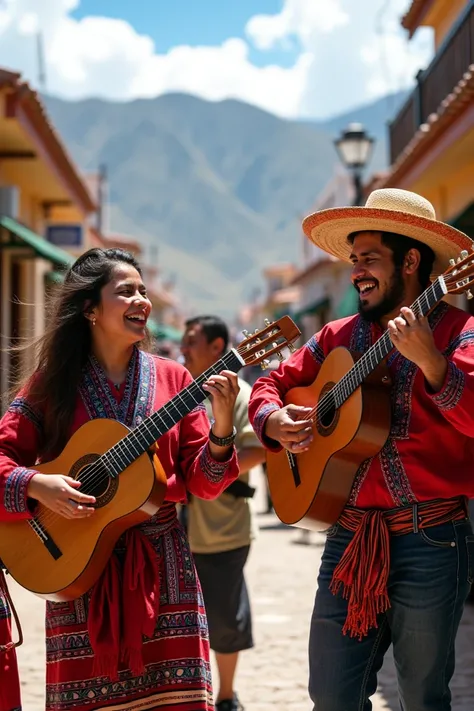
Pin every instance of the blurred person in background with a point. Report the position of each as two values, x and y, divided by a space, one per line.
220 531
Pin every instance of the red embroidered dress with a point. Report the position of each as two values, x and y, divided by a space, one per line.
176 656
430 451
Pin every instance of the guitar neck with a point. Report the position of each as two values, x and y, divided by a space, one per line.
381 348
128 449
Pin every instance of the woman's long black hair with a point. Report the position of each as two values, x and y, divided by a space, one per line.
64 348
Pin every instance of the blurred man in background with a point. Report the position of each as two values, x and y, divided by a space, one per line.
220 531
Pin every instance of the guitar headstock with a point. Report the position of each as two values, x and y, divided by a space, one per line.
459 277
257 347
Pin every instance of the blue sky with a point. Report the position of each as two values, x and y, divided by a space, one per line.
294 58
194 22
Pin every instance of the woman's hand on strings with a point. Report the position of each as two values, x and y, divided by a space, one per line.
60 494
224 389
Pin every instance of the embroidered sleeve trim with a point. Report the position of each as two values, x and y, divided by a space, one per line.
15 498
20 406
464 339
449 396
315 349
213 470
260 419
199 408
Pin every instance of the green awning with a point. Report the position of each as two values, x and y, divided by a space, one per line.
42 247
163 332
313 308
349 303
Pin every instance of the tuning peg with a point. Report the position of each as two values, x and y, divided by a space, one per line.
245 332
469 294
452 262
464 253
291 348
265 364
280 356
266 321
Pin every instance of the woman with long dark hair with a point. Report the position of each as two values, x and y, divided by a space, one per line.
121 646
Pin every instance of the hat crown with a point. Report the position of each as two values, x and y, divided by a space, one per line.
402 201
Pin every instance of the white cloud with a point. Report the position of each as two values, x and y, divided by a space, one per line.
358 50
347 52
300 18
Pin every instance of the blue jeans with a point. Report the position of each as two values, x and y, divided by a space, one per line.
430 576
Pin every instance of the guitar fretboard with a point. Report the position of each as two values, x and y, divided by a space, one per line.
122 454
380 350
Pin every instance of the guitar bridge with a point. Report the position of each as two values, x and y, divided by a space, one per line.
293 462
46 539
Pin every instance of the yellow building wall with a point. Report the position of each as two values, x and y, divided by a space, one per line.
459 192
15 173
449 193
442 17
36 185
32 292
31 211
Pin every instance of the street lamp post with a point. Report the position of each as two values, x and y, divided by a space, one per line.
354 147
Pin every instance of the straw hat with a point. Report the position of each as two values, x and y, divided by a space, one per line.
387 210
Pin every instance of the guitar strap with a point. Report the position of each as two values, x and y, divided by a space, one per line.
4 648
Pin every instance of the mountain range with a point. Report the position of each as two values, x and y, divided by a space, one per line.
214 191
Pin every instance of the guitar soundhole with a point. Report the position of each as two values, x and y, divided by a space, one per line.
328 418
328 415
95 479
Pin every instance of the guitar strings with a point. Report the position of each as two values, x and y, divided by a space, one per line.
353 376
324 406
97 470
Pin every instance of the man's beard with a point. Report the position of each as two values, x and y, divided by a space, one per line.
393 298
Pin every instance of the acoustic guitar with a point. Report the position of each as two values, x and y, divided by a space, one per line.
60 559
350 401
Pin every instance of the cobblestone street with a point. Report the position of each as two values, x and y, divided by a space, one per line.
282 578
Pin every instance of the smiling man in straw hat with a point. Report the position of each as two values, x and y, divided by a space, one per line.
397 566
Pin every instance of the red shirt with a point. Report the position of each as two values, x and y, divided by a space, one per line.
430 451
151 382
183 452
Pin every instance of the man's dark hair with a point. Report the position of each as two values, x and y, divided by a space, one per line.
400 246
212 326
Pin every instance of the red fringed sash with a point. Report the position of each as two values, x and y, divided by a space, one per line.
124 606
362 572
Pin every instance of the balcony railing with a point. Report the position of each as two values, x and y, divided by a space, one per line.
434 84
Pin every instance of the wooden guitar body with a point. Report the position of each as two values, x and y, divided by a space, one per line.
60 559
77 551
312 493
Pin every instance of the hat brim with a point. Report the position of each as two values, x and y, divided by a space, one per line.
329 230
